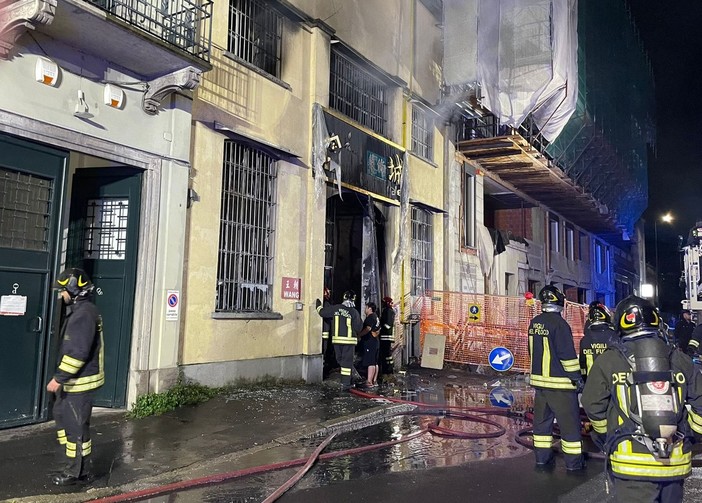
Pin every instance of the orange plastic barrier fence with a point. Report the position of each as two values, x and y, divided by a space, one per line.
474 324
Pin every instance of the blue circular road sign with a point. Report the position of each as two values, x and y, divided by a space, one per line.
501 397
501 359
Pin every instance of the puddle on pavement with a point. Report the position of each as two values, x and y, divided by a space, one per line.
423 452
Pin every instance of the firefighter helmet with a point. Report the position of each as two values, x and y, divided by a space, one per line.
598 314
387 301
552 299
75 281
350 295
636 317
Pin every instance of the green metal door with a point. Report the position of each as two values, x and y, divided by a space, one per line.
31 190
102 240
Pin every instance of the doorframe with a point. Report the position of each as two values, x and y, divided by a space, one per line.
54 136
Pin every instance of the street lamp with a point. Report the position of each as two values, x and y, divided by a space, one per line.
667 218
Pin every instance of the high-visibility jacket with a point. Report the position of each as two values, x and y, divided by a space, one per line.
387 325
629 459
345 322
554 363
593 344
81 365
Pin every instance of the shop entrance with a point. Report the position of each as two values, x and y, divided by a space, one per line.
354 252
355 249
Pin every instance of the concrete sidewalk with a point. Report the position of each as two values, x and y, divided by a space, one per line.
131 454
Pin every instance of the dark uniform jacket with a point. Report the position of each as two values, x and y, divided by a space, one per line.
683 333
554 363
695 340
593 344
345 322
630 459
81 356
387 324
326 322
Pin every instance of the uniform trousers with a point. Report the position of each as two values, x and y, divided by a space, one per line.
638 491
344 355
72 413
562 405
386 362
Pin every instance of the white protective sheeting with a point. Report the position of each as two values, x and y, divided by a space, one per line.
523 53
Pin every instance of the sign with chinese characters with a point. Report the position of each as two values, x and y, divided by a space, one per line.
367 161
291 288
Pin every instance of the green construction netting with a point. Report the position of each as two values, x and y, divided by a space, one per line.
605 144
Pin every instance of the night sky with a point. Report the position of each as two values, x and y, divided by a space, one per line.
672 35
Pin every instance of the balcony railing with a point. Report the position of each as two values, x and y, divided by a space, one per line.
186 24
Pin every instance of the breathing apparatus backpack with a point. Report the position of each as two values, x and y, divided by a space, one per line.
655 410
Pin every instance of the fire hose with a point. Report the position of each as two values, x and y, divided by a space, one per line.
457 413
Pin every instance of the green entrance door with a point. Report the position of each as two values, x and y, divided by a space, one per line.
102 240
31 186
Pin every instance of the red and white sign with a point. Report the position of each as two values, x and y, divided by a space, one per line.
291 288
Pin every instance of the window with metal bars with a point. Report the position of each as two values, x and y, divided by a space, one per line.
422 251
106 229
247 230
422 133
25 210
357 94
255 34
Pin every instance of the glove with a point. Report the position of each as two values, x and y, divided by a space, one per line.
599 439
579 385
317 303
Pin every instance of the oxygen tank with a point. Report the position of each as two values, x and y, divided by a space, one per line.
656 396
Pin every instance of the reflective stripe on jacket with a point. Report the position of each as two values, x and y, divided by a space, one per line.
554 363
81 365
629 459
345 322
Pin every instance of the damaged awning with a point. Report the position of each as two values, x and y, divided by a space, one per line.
516 162
275 151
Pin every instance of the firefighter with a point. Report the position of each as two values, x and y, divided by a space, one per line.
598 332
555 375
326 324
79 374
648 449
345 325
683 329
693 348
387 337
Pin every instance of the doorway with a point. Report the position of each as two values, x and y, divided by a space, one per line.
102 240
355 249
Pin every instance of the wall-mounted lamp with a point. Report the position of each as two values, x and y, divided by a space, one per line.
82 110
113 96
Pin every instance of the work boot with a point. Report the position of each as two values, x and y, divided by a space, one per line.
64 479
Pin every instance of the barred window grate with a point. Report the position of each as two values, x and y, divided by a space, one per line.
422 251
357 94
184 23
25 210
105 235
255 34
422 133
247 229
